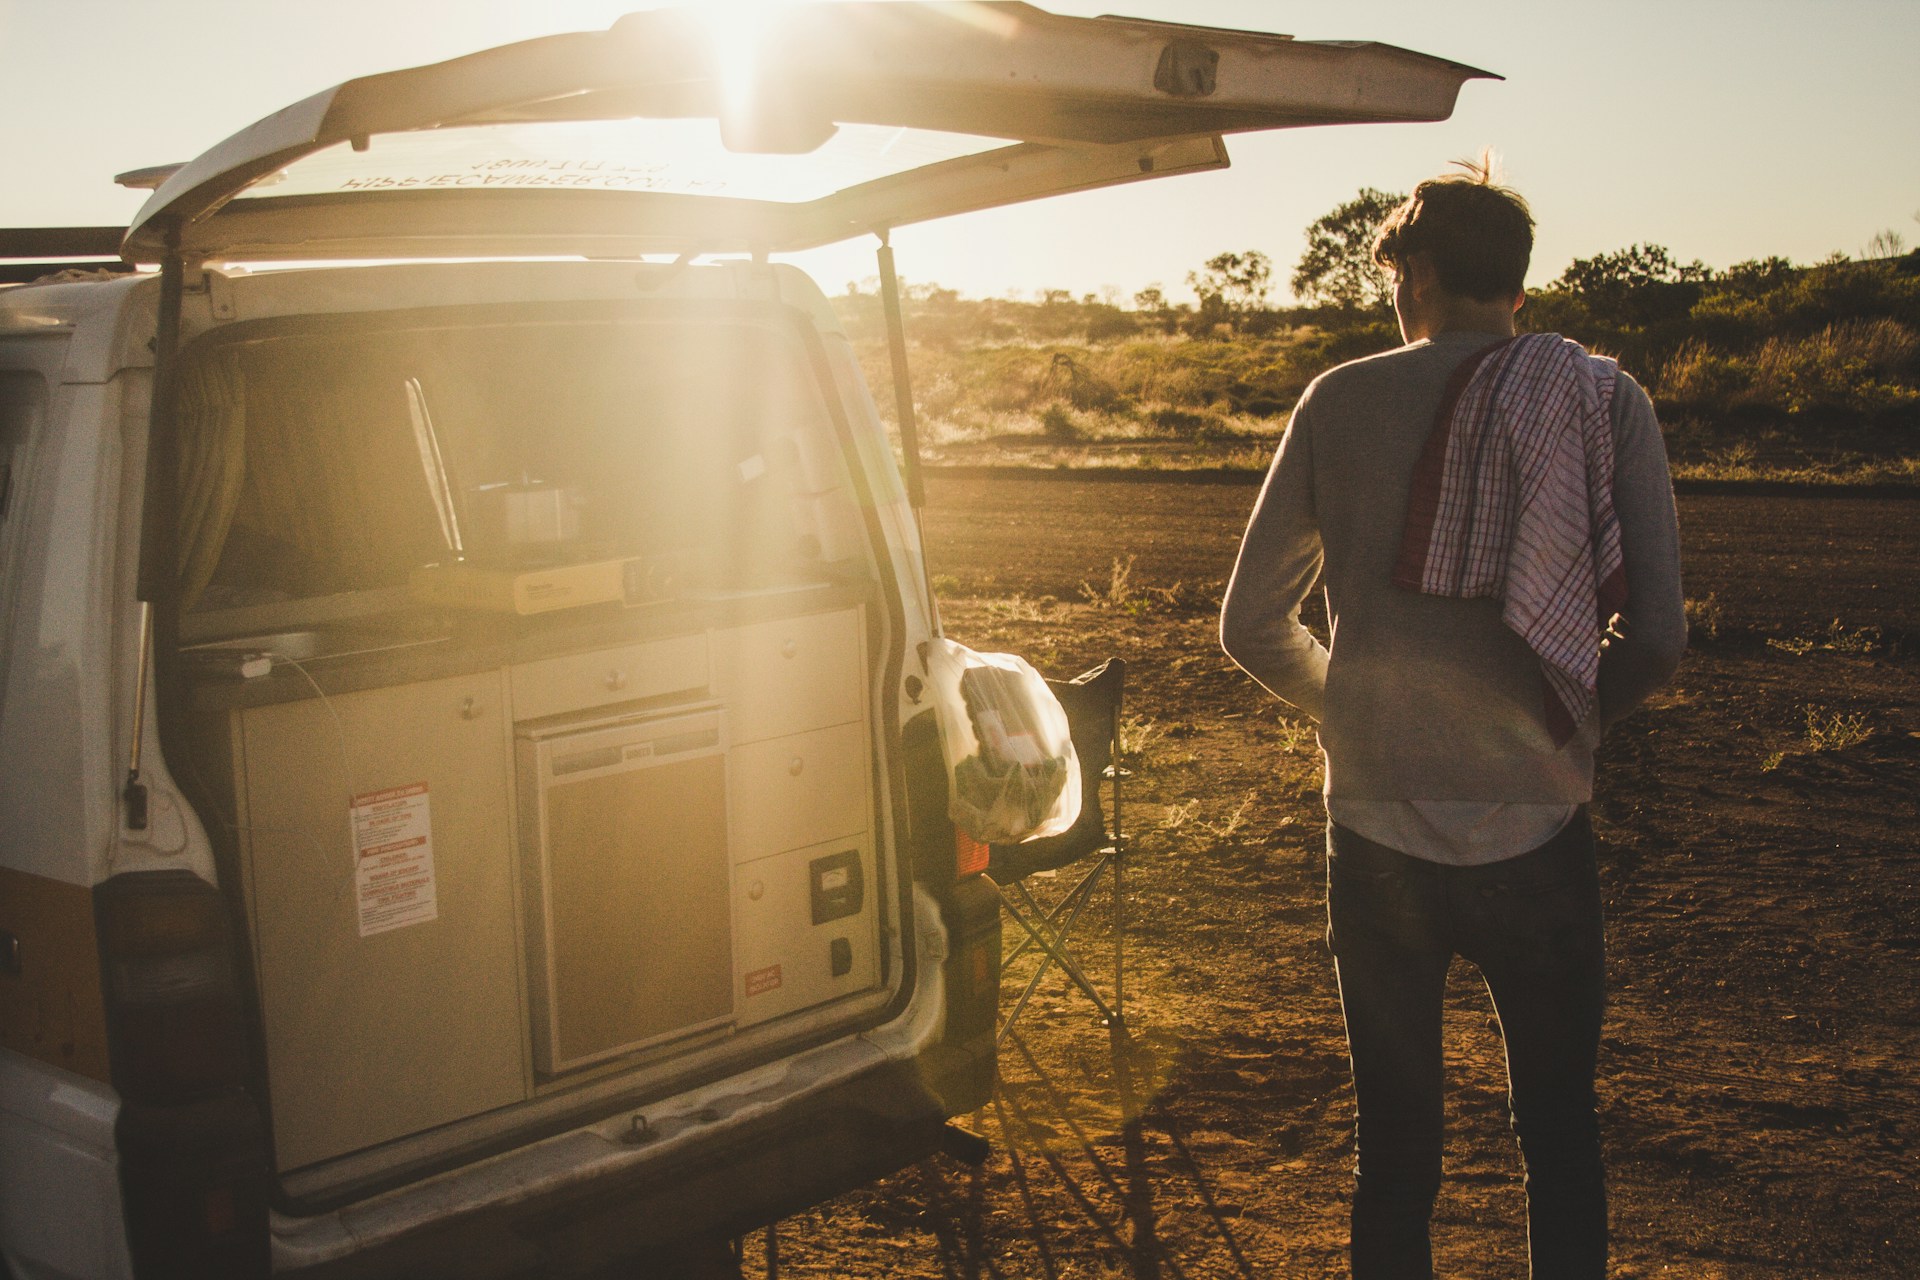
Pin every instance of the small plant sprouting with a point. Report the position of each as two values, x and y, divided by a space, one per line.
1230 826
1836 730
1835 639
1140 739
1295 734
1841 639
1704 617
1020 608
1119 591
1127 596
1179 815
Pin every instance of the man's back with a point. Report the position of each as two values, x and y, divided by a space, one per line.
1429 697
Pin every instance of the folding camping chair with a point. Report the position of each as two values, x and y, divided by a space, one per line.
1092 703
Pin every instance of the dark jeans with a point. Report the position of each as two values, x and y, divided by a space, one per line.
1532 926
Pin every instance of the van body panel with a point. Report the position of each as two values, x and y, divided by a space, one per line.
59 1188
51 1009
57 786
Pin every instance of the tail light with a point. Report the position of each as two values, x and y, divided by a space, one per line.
970 856
193 1150
966 1058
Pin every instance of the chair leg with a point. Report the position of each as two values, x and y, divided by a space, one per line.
1056 954
1076 900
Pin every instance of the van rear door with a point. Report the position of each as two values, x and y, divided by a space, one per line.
678 131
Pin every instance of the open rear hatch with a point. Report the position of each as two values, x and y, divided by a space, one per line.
734 129
669 133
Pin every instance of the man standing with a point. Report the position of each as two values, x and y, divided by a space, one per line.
1495 524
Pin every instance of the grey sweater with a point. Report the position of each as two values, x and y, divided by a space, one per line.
1426 697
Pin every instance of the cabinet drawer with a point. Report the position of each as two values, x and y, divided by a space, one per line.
582 681
783 793
804 929
789 675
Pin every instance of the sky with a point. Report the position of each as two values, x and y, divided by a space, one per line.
1722 129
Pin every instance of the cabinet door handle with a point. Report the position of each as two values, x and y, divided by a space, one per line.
616 680
789 647
469 708
795 765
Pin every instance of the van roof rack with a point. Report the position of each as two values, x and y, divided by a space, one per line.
28 253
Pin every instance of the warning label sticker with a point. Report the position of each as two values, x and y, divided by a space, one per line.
393 858
761 981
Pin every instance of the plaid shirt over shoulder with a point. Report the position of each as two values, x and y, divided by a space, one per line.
1512 500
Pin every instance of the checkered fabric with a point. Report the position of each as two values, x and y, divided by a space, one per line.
1512 500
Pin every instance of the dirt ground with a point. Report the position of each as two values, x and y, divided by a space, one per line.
1760 1096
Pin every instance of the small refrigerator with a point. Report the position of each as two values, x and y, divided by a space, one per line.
626 878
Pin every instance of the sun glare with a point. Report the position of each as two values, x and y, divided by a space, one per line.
738 29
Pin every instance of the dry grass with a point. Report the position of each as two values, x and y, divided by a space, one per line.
1233 823
1835 639
1122 593
1704 617
1835 730
1852 367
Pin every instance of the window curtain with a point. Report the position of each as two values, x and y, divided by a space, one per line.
211 403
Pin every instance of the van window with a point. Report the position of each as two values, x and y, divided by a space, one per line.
329 460
23 398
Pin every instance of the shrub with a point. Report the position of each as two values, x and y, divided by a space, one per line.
1181 422
1704 617
1057 424
1853 368
1836 730
1083 388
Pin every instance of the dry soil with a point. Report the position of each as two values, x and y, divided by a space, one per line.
1760 1096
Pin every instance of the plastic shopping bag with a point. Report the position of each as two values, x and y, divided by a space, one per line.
1012 774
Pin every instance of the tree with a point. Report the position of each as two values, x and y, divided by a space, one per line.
1151 303
1608 276
1636 286
1338 269
1233 284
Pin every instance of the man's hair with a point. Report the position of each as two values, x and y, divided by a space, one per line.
1477 233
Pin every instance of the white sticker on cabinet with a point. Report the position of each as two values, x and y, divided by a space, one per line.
393 858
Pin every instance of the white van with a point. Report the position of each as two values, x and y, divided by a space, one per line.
470 802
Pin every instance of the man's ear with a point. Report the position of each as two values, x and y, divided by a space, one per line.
1519 301
1422 276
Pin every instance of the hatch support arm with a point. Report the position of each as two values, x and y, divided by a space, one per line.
902 387
158 585
909 430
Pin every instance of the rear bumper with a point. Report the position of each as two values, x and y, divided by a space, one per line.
762 1169
755 1149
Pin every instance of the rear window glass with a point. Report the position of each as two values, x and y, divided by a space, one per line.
683 157
331 461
